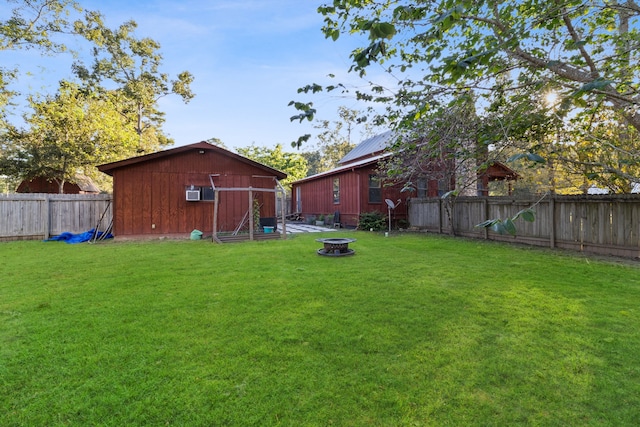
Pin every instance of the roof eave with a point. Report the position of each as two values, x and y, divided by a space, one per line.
109 168
343 168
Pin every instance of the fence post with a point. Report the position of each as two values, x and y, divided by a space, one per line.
47 217
251 225
552 222
486 217
439 215
216 201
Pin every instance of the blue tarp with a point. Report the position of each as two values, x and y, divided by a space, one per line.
79 238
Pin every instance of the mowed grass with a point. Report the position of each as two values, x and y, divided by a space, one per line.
412 330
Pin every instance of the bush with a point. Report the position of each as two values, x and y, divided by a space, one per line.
372 221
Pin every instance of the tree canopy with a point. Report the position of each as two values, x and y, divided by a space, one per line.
68 133
293 164
32 25
588 51
336 139
33 22
133 65
108 112
510 55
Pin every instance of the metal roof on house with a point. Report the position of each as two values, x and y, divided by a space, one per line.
368 147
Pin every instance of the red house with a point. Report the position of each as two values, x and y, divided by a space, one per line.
352 188
83 185
356 187
170 192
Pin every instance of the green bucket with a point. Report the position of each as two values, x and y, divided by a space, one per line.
196 235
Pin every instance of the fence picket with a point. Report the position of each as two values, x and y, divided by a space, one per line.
34 216
607 224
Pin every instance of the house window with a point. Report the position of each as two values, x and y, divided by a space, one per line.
422 188
375 189
206 193
336 190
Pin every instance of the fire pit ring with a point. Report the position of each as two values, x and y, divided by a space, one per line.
335 246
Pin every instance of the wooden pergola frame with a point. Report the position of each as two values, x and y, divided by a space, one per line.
216 192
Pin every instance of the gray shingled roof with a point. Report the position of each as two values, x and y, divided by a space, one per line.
368 147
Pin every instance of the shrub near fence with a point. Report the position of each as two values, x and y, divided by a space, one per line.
39 216
607 225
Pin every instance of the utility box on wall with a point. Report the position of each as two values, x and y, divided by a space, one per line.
193 195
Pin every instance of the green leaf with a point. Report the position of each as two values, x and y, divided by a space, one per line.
298 143
597 84
576 45
447 18
382 30
535 158
313 88
498 227
532 157
510 227
526 214
488 223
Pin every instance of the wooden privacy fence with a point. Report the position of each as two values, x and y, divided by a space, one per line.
608 225
40 216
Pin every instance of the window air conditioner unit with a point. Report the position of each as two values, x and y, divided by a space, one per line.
193 195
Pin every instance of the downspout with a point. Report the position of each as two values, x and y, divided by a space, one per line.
359 207
282 207
216 201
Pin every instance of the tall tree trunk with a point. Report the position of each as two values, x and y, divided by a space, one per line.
60 183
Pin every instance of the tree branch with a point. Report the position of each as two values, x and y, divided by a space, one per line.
576 38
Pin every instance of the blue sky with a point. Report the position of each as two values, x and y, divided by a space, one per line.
248 59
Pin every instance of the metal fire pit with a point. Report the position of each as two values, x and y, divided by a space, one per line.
335 246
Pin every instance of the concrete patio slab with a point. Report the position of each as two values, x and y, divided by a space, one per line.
296 227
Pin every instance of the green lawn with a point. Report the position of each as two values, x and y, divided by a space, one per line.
410 331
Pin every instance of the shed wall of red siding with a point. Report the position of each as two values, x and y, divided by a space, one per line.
149 197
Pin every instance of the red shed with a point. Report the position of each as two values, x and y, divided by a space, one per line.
170 192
